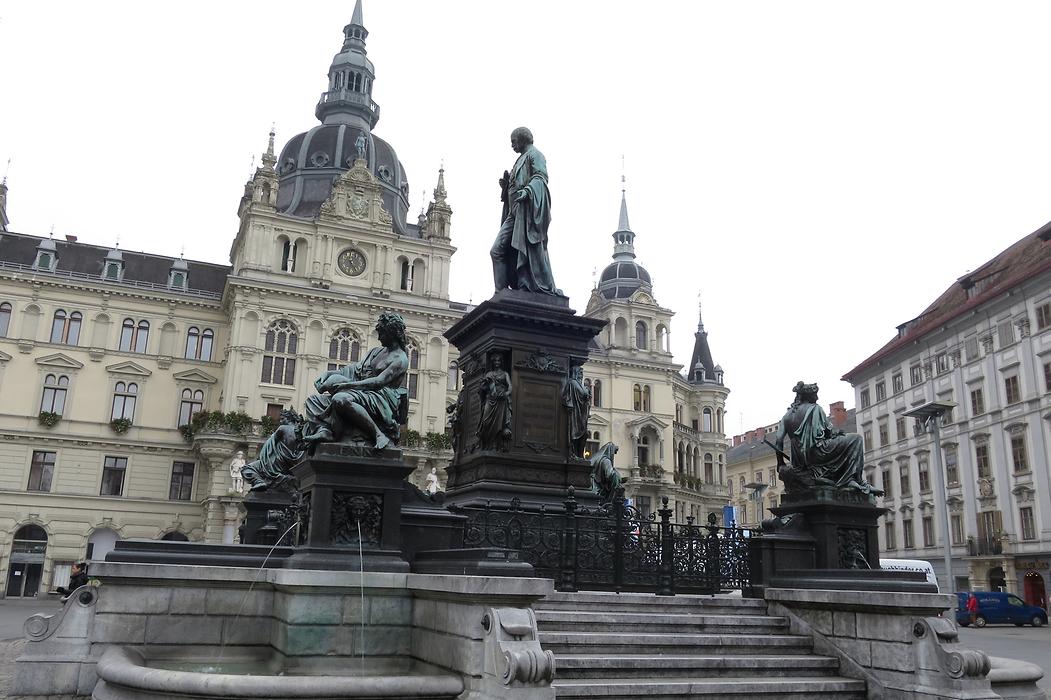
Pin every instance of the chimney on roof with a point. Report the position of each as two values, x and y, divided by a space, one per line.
71 238
837 413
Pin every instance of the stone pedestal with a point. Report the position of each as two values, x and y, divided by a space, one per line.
828 542
844 525
266 513
351 504
538 338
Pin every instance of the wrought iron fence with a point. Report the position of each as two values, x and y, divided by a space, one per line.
615 547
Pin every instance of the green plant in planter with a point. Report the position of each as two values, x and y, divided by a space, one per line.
238 421
436 442
267 425
48 419
186 430
120 425
411 438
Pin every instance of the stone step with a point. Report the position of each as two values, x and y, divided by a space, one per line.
630 643
635 602
739 688
627 666
598 621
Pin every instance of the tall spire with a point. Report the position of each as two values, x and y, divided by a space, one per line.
700 319
624 237
439 191
269 160
348 99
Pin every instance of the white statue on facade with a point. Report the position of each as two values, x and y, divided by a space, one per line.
433 486
236 465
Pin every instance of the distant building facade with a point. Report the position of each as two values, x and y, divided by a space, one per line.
984 344
667 424
105 353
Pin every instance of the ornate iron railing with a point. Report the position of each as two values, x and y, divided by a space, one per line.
614 547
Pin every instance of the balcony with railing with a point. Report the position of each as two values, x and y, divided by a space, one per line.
349 97
987 545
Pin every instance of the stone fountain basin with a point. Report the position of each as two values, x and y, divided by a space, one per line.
126 674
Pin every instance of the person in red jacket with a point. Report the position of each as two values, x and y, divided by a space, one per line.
972 607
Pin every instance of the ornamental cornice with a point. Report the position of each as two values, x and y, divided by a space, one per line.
163 296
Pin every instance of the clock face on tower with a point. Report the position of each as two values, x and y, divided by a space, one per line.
351 262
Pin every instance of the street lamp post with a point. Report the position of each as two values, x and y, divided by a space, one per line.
930 413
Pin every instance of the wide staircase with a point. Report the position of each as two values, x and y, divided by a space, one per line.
628 646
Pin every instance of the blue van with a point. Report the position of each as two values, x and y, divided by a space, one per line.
999 608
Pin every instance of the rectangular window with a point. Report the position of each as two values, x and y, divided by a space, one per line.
925 474
888 486
884 434
1047 377
643 504
1043 316
773 477
906 532
952 472
1011 392
181 488
928 530
905 479
915 375
881 391
891 538
897 383
1028 524
865 398
273 411
1006 333
970 348
866 437
981 460
956 523
977 402
1019 456
899 428
942 362
41 470
113 470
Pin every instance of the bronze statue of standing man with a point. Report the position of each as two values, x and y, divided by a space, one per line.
520 259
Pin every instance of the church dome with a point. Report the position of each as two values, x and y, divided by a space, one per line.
312 161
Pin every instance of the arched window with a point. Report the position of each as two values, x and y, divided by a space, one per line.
343 348
192 402
453 383
53 399
662 338
706 420
640 336
412 377
337 80
199 344
719 420
134 336
596 393
5 319
124 401
646 398
279 361
620 333
680 458
66 329
288 256
636 397
709 469
730 488
175 536
406 275
417 276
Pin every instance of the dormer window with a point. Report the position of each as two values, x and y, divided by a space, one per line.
45 260
177 279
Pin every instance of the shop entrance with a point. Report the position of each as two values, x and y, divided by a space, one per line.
27 562
997 579
1034 591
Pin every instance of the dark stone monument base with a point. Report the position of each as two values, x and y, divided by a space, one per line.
198 553
844 525
345 559
352 498
499 477
831 543
262 522
539 339
472 562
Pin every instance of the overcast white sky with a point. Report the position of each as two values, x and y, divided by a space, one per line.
818 171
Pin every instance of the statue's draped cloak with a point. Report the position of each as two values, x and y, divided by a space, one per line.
275 457
496 407
838 458
532 216
577 399
381 403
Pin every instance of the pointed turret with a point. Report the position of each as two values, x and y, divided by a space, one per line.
4 221
348 99
623 276
439 213
269 159
702 368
